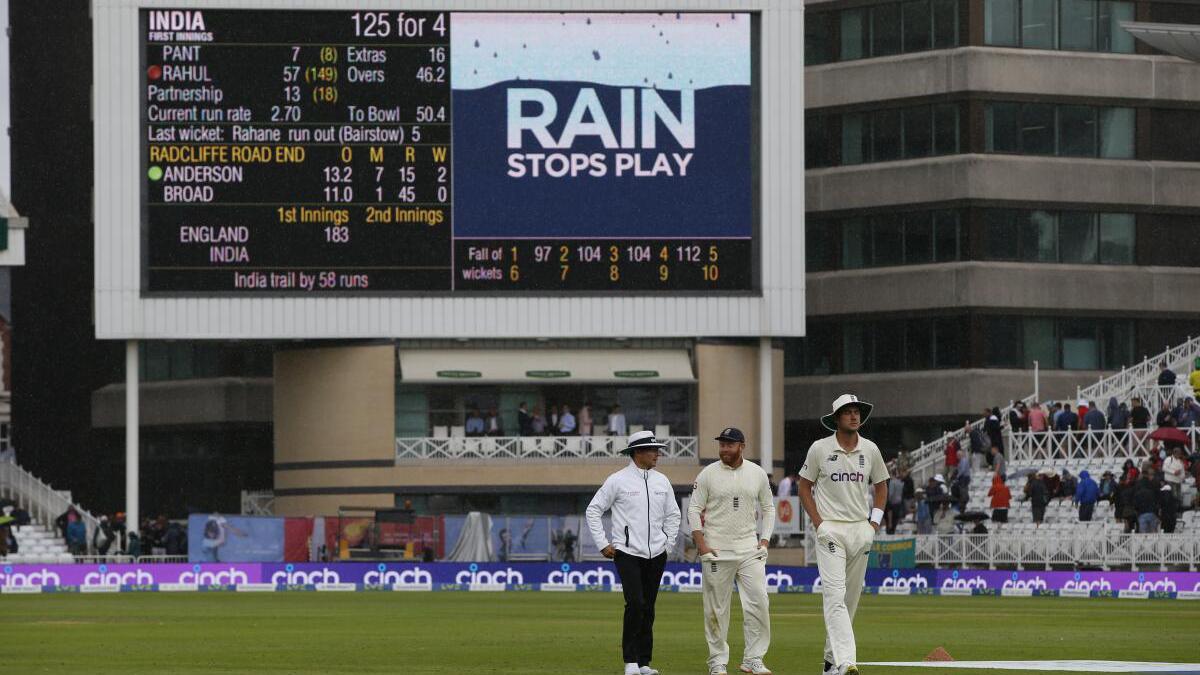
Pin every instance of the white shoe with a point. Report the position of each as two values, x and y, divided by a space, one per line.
755 666
718 669
632 669
647 670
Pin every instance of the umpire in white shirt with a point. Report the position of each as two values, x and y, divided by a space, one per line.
729 493
841 467
645 523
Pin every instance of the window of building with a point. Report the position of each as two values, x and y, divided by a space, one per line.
1038 28
947 236
1111 37
856 138
819 240
1000 20
1116 238
812 354
1117 133
1077 25
855 40
918 25
899 133
886 135
856 244
185 360
1072 344
1078 237
945 24
816 142
913 344
816 39
885 29
888 233
1063 130
1077 131
913 238
918 238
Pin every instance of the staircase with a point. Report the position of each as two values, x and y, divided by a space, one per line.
37 541
1138 380
1145 374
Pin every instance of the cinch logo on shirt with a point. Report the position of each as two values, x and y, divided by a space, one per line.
847 477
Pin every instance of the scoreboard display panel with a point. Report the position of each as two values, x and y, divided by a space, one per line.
409 152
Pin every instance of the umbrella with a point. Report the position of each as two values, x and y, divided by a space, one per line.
1170 435
972 516
5 520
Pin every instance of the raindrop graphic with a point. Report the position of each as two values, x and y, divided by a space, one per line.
670 76
677 16
522 45
595 55
718 24
477 44
589 21
495 55
660 33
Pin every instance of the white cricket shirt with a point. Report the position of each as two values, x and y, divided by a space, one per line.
842 478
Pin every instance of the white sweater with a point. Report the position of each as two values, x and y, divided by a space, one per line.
728 498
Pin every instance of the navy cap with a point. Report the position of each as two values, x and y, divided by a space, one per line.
732 434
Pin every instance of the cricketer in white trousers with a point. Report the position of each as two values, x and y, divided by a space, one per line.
842 551
749 568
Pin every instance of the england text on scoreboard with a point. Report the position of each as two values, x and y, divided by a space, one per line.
399 152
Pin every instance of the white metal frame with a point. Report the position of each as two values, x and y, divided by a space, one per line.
552 448
1032 447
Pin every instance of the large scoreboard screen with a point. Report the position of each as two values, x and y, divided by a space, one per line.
397 152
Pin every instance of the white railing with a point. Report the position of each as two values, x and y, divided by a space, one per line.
556 448
1091 549
43 503
258 503
1106 550
929 458
1178 358
1153 396
1031 447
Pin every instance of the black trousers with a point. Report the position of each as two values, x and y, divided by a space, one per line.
640 579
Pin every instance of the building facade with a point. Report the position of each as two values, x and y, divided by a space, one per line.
989 184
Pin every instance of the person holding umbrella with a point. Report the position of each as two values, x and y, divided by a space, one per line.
645 523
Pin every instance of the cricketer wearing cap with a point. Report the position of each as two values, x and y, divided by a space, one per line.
841 466
729 493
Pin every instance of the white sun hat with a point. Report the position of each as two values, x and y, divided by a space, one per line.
841 402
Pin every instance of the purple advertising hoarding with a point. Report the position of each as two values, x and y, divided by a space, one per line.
586 573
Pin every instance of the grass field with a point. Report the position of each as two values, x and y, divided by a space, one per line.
548 632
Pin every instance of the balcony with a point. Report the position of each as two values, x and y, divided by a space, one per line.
573 449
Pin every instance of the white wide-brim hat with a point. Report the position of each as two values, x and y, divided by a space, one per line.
841 402
643 440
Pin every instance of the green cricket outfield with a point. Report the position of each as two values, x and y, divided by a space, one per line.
549 633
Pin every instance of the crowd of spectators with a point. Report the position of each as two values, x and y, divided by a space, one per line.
556 420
